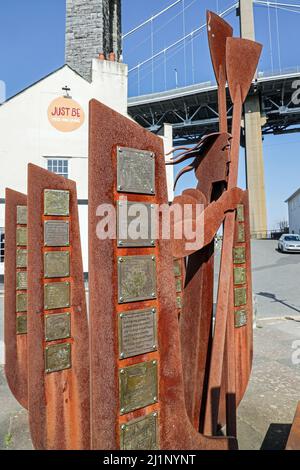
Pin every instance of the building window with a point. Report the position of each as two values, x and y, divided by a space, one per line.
1 245
58 166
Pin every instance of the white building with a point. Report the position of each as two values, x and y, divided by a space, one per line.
294 212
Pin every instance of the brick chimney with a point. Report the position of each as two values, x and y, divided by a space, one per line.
92 27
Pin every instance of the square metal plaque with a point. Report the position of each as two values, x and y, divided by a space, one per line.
21 280
240 213
179 301
57 326
178 284
21 303
240 318
136 278
136 224
137 332
240 296
239 276
56 233
56 202
239 255
21 259
136 171
21 236
177 267
56 264
140 434
241 238
138 386
57 357
56 295
21 325
22 215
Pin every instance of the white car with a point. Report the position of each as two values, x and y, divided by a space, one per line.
289 242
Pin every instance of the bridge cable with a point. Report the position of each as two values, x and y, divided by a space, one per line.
278 39
270 38
276 4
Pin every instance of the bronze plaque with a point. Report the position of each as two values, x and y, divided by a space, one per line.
56 202
240 296
21 280
21 260
138 386
21 303
137 332
239 276
136 278
240 318
136 171
136 224
56 233
239 255
21 236
57 357
57 264
241 238
21 325
178 285
57 326
240 215
140 434
22 215
179 301
56 295
177 267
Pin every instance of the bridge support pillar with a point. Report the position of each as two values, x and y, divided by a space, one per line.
253 137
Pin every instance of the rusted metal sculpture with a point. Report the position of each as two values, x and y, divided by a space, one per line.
15 295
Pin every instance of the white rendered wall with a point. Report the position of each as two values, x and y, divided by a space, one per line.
294 214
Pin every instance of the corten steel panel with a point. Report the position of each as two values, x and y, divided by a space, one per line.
103 301
15 345
59 411
294 437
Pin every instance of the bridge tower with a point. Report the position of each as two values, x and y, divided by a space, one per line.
92 27
253 136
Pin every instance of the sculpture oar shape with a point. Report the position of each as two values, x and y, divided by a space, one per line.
242 57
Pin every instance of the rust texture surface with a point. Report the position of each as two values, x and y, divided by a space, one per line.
59 411
294 437
15 344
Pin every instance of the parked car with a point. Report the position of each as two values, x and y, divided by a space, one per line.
289 242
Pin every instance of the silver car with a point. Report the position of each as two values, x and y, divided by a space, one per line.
289 242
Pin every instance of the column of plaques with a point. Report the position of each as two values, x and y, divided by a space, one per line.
179 281
240 271
137 310
57 286
21 271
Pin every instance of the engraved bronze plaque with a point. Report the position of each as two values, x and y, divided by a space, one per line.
56 264
179 301
21 280
21 236
56 233
239 276
241 238
56 295
136 278
140 434
239 255
21 303
57 326
21 325
177 267
240 318
56 202
137 332
135 171
240 215
21 260
178 284
136 224
240 296
22 215
57 357
138 386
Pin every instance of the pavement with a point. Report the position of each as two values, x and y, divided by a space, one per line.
267 410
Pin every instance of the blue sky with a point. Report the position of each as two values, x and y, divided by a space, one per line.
32 45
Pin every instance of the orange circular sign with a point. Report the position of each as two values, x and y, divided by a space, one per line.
65 114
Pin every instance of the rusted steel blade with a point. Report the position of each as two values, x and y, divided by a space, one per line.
294 437
109 420
15 314
58 346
